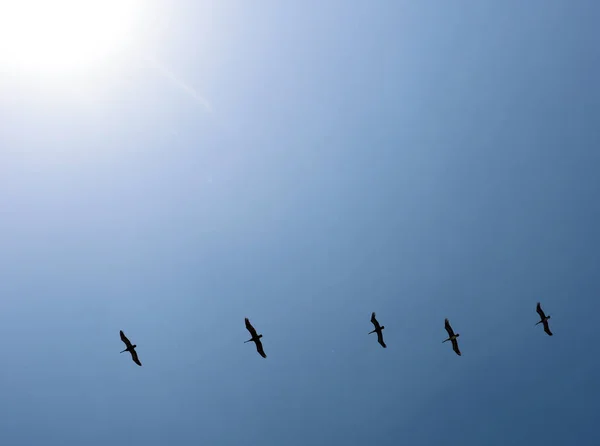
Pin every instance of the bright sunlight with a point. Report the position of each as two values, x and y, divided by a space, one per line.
62 36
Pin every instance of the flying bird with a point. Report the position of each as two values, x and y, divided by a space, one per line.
255 338
543 319
378 330
130 348
452 338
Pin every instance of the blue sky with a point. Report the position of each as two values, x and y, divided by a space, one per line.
304 165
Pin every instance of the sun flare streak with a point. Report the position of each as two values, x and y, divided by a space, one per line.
188 89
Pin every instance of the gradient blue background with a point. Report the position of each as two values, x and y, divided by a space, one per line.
309 163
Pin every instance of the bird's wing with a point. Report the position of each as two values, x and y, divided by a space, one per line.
135 358
124 339
449 328
259 348
547 328
455 347
250 328
380 339
539 310
374 321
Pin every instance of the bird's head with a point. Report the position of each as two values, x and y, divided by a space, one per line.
382 327
457 335
133 346
548 317
259 336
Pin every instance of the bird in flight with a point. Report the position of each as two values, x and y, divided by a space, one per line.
130 348
378 330
452 338
255 338
543 319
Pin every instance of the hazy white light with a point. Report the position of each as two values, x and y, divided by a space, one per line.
50 36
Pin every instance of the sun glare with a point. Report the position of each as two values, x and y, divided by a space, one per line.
62 36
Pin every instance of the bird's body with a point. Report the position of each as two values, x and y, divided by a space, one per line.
130 348
452 338
543 319
378 330
255 338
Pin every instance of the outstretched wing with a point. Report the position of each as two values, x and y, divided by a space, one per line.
539 310
380 338
455 347
547 327
250 328
374 321
135 358
124 339
259 348
449 328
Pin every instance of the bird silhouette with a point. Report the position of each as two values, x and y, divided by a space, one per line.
255 338
543 319
378 330
452 338
130 348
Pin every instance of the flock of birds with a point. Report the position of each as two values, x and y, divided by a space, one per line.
452 337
